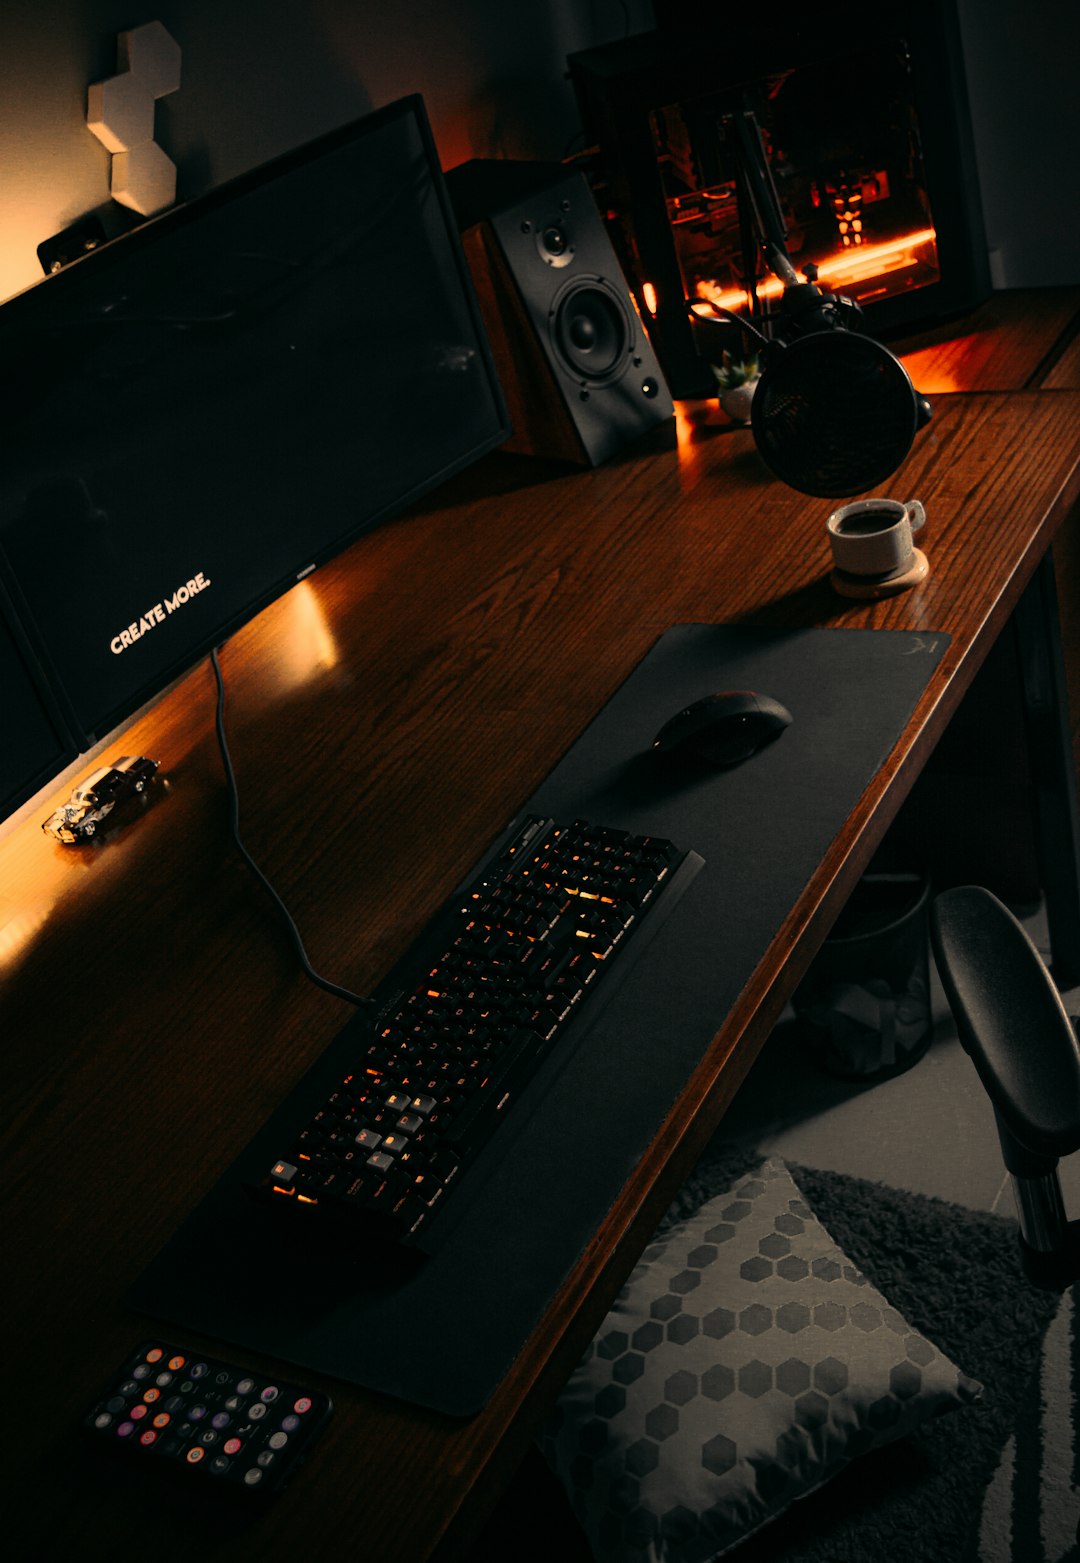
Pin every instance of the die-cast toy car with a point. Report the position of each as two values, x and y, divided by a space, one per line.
80 818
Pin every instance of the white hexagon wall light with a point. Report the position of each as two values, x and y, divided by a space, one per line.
120 112
151 54
142 176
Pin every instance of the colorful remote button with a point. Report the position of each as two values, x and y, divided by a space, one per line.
235 1429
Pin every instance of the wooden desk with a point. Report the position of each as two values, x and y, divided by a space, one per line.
387 717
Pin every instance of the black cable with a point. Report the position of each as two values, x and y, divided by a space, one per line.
234 826
723 317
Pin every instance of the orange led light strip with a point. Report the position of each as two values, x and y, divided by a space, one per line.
869 260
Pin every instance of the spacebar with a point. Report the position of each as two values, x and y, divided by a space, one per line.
478 1117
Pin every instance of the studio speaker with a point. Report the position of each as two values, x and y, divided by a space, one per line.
580 378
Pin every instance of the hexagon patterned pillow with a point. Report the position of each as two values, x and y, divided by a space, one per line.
745 1362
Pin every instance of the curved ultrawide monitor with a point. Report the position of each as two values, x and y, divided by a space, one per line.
197 413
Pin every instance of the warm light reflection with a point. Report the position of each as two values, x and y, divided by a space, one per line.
648 294
303 645
311 625
695 422
19 933
871 260
686 426
940 374
52 173
35 871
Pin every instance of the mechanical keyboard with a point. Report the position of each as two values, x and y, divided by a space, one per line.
529 940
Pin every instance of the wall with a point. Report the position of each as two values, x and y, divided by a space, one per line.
1021 61
262 76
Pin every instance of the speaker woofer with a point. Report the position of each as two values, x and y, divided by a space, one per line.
590 331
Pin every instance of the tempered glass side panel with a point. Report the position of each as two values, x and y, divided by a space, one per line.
196 413
844 151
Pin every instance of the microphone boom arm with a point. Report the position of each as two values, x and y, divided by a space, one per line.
761 193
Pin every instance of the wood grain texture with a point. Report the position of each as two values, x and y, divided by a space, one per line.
1067 574
1062 372
1007 344
387 718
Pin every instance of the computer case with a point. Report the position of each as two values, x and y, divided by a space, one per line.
865 126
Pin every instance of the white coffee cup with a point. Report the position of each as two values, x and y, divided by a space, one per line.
874 536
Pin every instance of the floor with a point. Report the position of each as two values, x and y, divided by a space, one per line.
930 1130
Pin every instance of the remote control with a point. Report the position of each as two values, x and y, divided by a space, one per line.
177 1407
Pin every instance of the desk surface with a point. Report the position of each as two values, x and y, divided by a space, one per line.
150 1008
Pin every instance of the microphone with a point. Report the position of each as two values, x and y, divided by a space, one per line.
834 412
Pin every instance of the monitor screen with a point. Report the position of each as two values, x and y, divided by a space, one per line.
199 412
35 745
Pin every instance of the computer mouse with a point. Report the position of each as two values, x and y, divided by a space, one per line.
723 729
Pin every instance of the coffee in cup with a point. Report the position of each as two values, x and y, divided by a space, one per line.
873 538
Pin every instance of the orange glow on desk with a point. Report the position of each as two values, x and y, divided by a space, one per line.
685 430
308 646
937 372
696 422
302 645
17 935
37 873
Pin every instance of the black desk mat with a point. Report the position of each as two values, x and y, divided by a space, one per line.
442 1331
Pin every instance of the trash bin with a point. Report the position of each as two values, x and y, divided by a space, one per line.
864 1004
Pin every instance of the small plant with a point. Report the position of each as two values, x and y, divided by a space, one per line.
733 372
736 381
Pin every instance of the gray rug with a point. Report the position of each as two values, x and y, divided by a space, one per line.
1030 1509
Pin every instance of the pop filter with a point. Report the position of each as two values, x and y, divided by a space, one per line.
834 413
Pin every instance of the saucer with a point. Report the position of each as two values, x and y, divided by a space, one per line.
872 586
